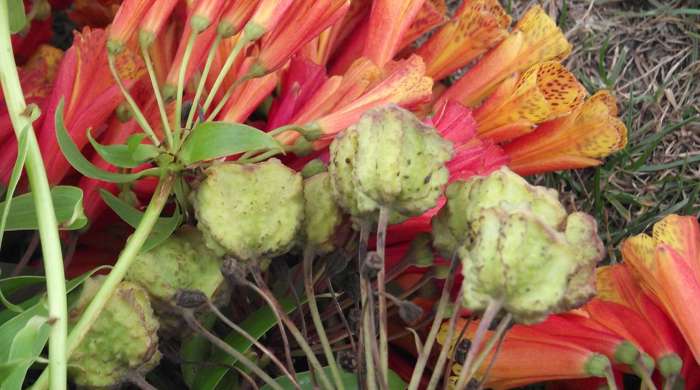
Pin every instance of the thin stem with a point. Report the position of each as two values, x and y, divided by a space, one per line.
450 361
610 378
446 347
159 97
227 96
424 354
138 115
139 381
316 317
126 257
381 290
181 87
339 309
265 293
501 338
644 374
469 367
670 382
203 79
254 341
41 195
240 44
366 338
195 325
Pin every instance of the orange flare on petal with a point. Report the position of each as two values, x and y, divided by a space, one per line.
388 23
476 27
536 38
430 15
543 92
578 140
38 74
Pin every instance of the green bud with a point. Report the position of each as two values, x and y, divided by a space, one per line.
182 262
322 214
389 159
225 29
114 47
250 211
123 112
199 23
597 365
313 167
146 38
123 339
670 365
626 353
301 147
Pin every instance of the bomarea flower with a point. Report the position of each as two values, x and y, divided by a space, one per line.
518 246
529 356
577 140
123 339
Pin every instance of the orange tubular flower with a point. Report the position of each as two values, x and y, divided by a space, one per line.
578 140
543 92
154 21
667 265
266 16
476 27
536 38
430 15
389 21
294 31
528 356
125 23
236 16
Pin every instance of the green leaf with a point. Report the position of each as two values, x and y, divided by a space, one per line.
18 19
26 345
161 231
14 178
67 202
82 164
124 156
350 381
256 324
210 140
14 283
195 349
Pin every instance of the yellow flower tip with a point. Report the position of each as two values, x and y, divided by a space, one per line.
544 41
476 27
543 92
605 132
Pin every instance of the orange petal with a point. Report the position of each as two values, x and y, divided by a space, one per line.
430 15
535 39
577 140
388 23
683 235
476 27
543 92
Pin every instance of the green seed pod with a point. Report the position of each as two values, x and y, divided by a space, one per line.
389 159
517 245
252 212
183 261
322 214
123 339
503 189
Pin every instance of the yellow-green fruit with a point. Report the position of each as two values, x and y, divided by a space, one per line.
252 211
389 159
122 339
322 214
182 261
503 189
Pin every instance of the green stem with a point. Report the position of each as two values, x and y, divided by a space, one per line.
316 317
381 291
202 80
496 338
41 194
227 96
126 257
181 87
438 369
240 44
610 378
138 115
159 97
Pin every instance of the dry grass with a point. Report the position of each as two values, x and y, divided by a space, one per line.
648 53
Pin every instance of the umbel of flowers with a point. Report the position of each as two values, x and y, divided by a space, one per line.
342 82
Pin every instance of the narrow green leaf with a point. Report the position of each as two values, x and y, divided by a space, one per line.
161 231
22 150
350 381
195 349
18 19
68 204
256 324
122 155
26 345
210 140
14 283
82 164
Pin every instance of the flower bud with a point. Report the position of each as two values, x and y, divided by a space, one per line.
123 339
252 211
322 215
388 159
182 262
